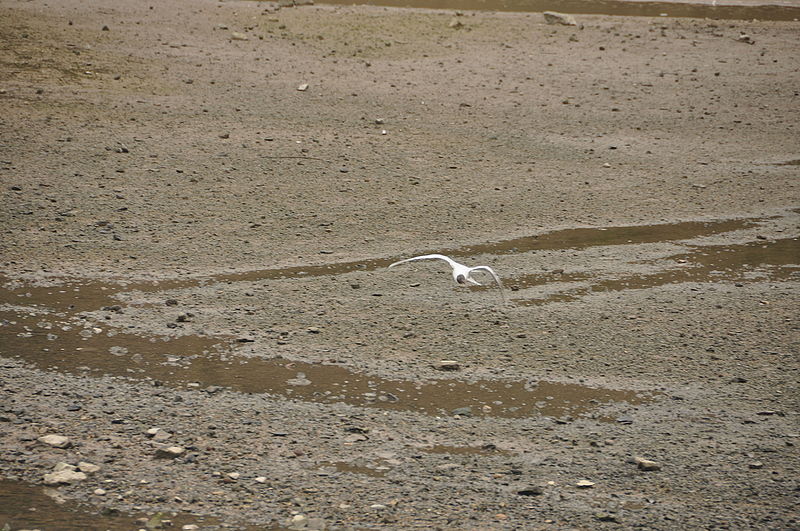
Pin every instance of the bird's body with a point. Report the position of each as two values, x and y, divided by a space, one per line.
461 274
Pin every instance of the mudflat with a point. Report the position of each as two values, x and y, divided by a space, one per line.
199 204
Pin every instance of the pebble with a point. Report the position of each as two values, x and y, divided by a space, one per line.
56 441
534 490
261 479
170 453
553 17
238 36
584 484
88 468
646 464
447 365
303 87
63 473
100 492
190 527
462 411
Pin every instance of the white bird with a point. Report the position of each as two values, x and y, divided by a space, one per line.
461 274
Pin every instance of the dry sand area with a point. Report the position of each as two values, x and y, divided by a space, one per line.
200 200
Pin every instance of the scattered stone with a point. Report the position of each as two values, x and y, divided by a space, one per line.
171 302
447 365
625 419
63 466
455 24
190 527
298 521
756 465
303 87
170 452
745 38
63 473
377 506
584 484
99 492
261 479
646 464
534 490
234 475
56 441
462 411
606 517
238 36
552 17
157 434
88 468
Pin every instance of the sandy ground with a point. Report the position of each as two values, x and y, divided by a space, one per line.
265 164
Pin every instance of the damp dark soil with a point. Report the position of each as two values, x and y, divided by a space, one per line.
200 201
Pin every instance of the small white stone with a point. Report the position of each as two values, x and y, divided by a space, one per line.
190 527
584 484
171 452
261 479
100 492
56 441
303 87
299 520
234 475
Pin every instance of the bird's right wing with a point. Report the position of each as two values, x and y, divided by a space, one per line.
425 257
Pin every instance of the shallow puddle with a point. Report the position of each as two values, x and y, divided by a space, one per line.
601 7
204 362
25 506
485 450
350 468
580 238
85 295
777 260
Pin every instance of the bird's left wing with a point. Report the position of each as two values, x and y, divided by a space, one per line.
494 276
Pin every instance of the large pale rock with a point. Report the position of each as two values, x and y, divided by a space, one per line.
552 17
56 441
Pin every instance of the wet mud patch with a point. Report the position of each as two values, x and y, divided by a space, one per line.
24 506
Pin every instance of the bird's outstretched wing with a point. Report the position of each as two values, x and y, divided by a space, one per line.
494 276
426 257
